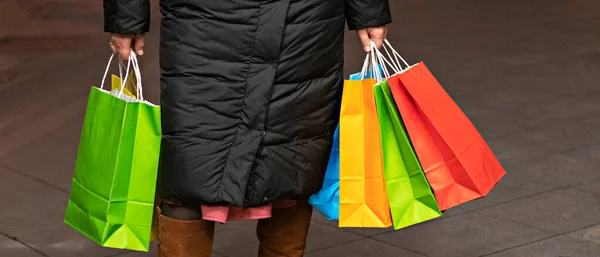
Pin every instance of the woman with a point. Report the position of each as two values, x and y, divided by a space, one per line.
250 92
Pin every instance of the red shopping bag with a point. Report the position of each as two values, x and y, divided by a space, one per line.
457 162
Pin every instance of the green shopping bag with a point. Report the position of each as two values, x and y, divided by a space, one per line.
410 196
113 190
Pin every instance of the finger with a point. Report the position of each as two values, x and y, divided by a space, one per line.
363 34
377 35
124 47
124 53
139 44
112 44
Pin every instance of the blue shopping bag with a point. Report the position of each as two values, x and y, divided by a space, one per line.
327 201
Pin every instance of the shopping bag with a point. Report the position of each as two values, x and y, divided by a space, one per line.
113 189
410 197
363 196
128 90
458 163
327 201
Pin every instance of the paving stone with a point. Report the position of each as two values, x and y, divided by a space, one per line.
70 129
510 99
508 149
152 253
11 248
591 234
566 108
370 232
25 116
317 217
236 238
49 159
592 187
36 217
587 152
593 119
562 246
557 211
34 206
27 44
516 184
323 236
364 248
64 241
465 235
241 241
562 169
68 10
556 136
496 123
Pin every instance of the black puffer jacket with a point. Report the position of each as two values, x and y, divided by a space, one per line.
250 92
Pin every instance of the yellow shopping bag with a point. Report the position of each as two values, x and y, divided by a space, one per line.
130 88
363 196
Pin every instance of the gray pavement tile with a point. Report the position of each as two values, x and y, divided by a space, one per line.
589 152
514 185
64 241
575 80
566 108
370 232
556 136
509 149
152 253
236 238
242 240
466 235
496 123
70 129
11 248
67 10
364 248
38 126
239 249
35 216
592 119
317 217
247 226
591 234
49 158
26 101
562 169
592 187
557 211
514 99
34 207
562 246
323 236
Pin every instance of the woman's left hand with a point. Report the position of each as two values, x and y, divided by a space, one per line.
377 34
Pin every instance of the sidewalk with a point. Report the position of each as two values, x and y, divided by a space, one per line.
526 73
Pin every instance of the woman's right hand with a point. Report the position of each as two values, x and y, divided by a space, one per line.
123 43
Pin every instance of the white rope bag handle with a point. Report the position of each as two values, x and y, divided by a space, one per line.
132 62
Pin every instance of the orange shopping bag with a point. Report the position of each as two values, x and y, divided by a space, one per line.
458 163
363 195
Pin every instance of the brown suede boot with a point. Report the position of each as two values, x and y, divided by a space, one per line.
284 234
185 238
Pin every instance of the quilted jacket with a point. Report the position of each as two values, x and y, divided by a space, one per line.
250 92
